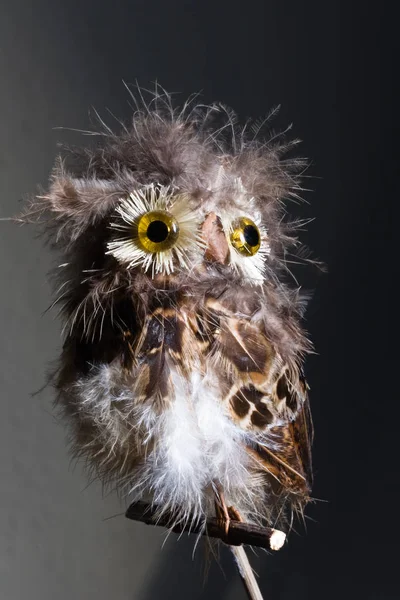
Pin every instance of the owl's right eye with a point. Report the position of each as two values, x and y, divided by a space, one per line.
157 231
154 229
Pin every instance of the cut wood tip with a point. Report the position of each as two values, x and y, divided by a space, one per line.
277 539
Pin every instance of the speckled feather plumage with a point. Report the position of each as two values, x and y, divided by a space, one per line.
174 385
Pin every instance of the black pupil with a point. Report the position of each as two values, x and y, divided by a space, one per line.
251 235
157 232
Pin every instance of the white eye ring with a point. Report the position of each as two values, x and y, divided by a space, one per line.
183 245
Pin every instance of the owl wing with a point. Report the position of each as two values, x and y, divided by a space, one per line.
284 452
268 398
302 434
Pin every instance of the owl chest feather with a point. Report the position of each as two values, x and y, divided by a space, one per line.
202 388
209 352
197 445
207 380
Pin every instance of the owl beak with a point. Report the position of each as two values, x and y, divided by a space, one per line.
215 239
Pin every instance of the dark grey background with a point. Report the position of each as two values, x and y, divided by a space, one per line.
330 64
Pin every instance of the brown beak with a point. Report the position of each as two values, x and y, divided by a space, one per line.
214 237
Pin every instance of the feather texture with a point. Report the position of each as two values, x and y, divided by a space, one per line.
184 377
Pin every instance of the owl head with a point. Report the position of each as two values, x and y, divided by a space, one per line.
179 201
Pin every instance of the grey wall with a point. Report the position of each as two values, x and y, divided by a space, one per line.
325 62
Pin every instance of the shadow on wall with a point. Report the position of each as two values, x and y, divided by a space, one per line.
179 574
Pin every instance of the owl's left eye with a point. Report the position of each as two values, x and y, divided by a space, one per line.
157 231
245 236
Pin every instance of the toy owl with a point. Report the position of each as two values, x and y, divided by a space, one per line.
181 371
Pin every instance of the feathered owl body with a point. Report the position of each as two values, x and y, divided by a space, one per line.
181 373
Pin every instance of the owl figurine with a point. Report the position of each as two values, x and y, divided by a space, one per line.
181 370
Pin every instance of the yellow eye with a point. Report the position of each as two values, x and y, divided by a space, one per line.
245 236
157 231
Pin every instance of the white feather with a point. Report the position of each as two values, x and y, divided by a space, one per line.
189 446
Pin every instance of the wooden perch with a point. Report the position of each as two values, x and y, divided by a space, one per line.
238 533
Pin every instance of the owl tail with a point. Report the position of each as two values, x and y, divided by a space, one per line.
246 573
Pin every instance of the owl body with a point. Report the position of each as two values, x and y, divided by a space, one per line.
194 396
180 375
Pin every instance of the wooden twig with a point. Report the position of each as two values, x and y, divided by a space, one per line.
246 573
238 533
